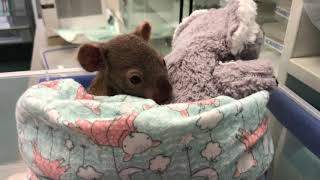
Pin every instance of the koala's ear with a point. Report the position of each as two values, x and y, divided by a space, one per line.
90 57
144 31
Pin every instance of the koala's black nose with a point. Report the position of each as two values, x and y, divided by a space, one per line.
164 90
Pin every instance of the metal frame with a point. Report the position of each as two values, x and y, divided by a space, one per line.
181 9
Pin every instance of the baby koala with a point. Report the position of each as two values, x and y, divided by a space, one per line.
127 64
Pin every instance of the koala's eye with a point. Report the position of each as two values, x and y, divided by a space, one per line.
148 138
135 80
134 77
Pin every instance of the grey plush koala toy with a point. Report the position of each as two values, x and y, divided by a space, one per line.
215 52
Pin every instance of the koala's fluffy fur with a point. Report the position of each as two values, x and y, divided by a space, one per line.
214 52
127 64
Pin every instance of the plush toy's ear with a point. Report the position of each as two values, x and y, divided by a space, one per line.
144 31
246 29
90 57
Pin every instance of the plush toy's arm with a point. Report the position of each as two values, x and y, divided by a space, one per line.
242 78
189 73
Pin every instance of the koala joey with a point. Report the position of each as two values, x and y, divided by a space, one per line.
127 64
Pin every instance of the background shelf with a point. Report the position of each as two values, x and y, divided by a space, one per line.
307 70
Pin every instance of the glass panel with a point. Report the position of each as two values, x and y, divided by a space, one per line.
16 22
9 95
273 18
163 15
12 86
296 162
65 56
307 93
73 8
80 14
52 58
16 35
205 4
186 8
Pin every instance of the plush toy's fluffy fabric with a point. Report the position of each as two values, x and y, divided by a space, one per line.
204 45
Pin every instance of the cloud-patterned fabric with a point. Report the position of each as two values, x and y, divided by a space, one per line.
66 133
